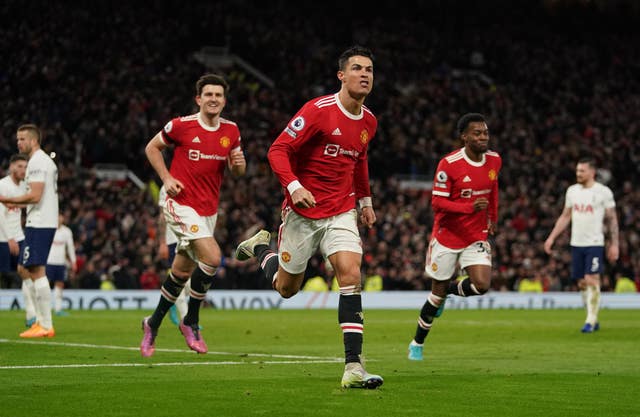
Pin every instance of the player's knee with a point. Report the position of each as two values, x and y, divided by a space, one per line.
180 274
286 291
212 260
482 287
286 284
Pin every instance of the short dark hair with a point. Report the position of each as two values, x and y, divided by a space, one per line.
463 122
353 51
213 79
33 129
18 157
588 160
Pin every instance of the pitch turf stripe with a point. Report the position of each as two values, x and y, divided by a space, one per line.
86 345
133 365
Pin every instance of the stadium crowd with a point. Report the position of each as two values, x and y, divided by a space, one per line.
102 82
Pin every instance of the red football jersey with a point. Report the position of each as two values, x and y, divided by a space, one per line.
458 182
324 147
199 159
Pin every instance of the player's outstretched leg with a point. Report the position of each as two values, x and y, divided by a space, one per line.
246 248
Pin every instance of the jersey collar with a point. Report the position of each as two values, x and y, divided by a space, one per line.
346 113
206 126
471 162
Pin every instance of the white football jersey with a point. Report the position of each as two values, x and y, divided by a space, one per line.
11 219
41 168
62 247
588 207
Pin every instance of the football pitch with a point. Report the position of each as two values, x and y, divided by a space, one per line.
290 362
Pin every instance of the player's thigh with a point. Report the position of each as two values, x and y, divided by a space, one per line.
35 251
299 239
340 234
441 262
55 273
193 232
182 266
476 260
342 246
592 279
207 251
288 281
346 266
586 261
594 262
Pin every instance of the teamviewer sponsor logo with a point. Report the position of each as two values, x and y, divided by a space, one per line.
196 155
331 149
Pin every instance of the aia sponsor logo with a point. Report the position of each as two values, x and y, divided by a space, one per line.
583 208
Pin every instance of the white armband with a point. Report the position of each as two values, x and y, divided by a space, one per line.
293 185
365 202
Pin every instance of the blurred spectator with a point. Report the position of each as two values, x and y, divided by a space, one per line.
150 279
624 284
89 278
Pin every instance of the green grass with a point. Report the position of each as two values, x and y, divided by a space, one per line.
477 363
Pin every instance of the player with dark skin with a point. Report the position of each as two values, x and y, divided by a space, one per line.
476 143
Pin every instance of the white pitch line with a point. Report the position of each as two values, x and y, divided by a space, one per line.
87 345
133 365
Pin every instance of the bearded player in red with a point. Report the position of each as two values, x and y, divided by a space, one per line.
321 161
465 203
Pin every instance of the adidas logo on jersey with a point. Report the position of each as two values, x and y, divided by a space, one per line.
196 140
336 132
466 179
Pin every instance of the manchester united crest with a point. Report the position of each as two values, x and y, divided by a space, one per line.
225 142
286 257
434 267
492 174
364 136
194 228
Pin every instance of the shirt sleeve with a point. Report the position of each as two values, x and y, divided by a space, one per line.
441 193
36 171
70 247
299 130
171 131
609 201
567 199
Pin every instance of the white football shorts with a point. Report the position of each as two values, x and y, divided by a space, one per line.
441 262
301 237
187 225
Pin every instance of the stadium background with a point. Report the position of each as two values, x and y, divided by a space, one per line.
555 78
